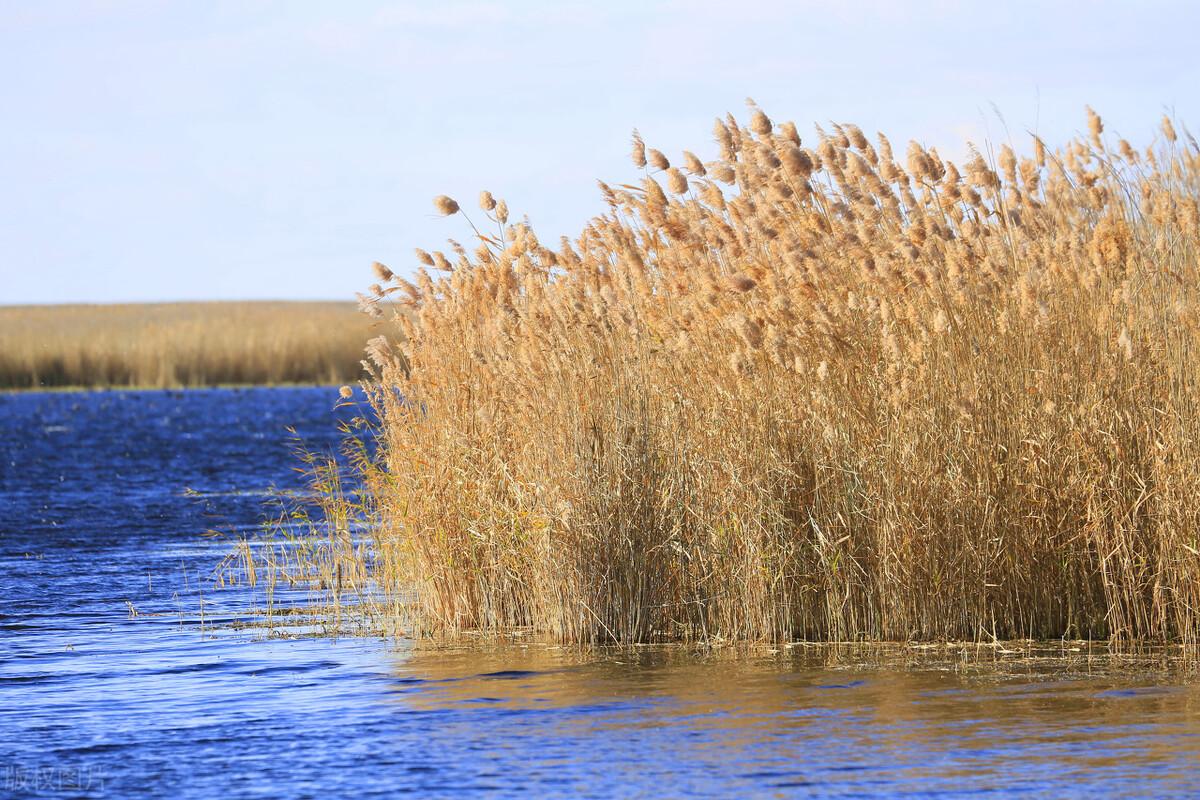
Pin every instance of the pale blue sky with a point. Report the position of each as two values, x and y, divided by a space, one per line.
218 150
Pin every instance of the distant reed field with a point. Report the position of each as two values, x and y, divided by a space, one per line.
808 389
181 344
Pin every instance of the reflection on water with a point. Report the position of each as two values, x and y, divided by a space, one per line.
111 687
849 722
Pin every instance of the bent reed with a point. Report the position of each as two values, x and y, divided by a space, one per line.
807 391
170 345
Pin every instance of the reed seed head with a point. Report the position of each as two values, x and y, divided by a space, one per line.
1095 128
760 123
638 153
676 182
1168 129
741 282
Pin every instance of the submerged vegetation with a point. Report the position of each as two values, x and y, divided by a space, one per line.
806 390
180 344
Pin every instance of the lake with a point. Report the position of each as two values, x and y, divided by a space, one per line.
123 674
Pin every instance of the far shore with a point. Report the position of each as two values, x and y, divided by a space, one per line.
148 388
182 345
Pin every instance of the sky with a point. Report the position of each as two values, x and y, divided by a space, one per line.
156 151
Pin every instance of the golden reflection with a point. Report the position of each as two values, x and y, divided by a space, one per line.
951 710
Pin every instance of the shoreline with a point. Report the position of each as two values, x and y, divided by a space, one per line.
11 390
181 345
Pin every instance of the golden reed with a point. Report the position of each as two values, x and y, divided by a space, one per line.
811 389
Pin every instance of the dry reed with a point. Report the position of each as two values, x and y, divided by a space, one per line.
180 344
809 391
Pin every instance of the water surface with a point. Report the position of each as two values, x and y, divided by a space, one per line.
121 674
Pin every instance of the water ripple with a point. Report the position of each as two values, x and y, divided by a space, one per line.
119 662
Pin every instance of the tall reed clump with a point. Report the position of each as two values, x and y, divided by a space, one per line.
809 390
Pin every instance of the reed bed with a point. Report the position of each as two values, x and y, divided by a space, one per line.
180 344
806 390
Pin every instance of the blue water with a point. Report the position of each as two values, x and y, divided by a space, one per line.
122 672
